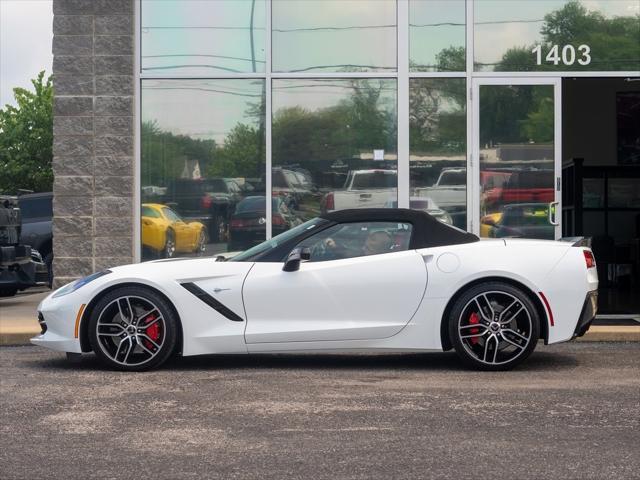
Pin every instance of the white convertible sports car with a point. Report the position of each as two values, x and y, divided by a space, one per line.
352 280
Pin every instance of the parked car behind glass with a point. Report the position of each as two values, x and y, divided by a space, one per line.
37 214
165 233
248 223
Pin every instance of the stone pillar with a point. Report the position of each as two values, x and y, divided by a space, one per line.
93 136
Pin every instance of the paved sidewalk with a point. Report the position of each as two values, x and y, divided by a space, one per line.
19 322
18 317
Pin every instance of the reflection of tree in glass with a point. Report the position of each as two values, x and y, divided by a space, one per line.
242 154
531 105
437 118
358 123
452 59
164 154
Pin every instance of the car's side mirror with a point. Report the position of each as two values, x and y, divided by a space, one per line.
296 256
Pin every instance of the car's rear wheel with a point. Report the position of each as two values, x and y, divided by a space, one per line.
494 326
133 328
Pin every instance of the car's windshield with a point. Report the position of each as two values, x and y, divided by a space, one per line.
278 240
170 215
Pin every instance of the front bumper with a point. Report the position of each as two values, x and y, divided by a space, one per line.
589 311
56 317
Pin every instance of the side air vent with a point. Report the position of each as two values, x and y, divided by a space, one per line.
43 324
212 302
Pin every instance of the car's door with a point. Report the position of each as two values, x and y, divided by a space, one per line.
347 295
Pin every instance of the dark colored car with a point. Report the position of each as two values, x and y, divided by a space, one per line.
37 214
248 224
20 266
208 200
524 220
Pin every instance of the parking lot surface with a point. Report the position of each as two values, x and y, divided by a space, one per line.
571 411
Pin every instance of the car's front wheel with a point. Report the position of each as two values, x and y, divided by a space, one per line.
169 245
494 326
201 243
133 328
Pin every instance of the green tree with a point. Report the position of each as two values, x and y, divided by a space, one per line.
437 116
26 139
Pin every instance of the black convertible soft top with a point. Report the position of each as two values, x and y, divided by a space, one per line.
427 231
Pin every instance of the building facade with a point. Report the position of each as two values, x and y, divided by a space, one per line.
176 120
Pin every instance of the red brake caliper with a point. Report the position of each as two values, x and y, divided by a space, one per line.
153 332
474 319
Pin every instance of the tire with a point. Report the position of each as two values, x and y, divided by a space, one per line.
8 292
48 260
494 326
217 228
121 341
201 244
169 249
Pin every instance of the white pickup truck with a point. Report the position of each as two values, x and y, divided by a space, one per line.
450 191
363 189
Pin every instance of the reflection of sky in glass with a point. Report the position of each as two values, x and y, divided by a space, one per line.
314 95
501 24
334 35
434 26
201 109
202 36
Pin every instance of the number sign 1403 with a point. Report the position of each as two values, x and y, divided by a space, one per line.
568 55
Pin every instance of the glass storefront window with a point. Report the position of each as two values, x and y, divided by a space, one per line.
557 35
437 35
438 148
334 35
202 166
517 160
334 145
200 37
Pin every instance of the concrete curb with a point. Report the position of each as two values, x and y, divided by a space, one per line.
612 333
598 333
16 338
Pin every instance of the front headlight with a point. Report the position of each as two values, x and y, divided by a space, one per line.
73 286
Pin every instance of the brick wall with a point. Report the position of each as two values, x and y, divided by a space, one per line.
93 158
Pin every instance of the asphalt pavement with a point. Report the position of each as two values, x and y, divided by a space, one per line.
572 411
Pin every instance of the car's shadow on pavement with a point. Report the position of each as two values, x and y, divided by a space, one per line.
431 361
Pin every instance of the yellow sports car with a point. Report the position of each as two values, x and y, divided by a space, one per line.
165 233
488 222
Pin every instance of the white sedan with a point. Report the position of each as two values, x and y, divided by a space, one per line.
353 280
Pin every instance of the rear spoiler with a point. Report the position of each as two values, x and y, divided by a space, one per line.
577 241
